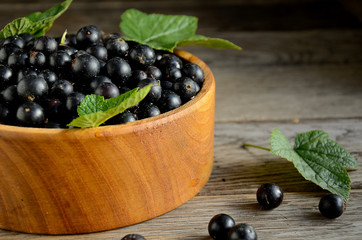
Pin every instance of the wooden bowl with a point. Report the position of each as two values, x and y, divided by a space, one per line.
68 181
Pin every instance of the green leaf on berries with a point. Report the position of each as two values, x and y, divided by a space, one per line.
203 41
37 23
318 159
95 110
165 32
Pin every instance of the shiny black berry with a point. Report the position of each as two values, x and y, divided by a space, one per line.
186 88
10 94
136 77
17 40
149 110
123 117
194 72
155 92
87 36
242 231
153 72
85 66
169 100
269 195
18 59
37 59
169 60
49 76
98 51
6 75
73 101
172 74
61 89
133 237
331 206
6 50
30 114
117 47
45 44
60 61
32 88
107 90
21 73
220 225
118 70
142 55
96 81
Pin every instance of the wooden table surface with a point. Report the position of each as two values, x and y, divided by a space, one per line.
300 69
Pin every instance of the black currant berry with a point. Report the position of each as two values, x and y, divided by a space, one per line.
10 94
98 51
96 81
24 72
87 36
169 100
68 49
242 231
220 225
6 50
6 75
118 70
172 74
60 61
136 77
45 44
169 60
123 117
17 40
194 72
142 55
153 72
4 113
27 37
18 59
117 47
155 93
37 59
133 237
61 89
73 101
30 114
186 88
54 109
166 85
331 206
148 110
85 66
32 88
269 195
49 76
107 90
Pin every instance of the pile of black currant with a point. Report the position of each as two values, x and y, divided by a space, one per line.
44 79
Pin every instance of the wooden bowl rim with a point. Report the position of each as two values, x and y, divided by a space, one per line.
131 126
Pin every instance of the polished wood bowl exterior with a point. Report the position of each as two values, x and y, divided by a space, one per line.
69 181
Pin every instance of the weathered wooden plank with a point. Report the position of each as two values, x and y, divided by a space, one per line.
236 176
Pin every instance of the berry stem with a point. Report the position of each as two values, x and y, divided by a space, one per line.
255 146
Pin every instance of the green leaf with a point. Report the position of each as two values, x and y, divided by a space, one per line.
37 23
318 159
94 110
165 32
157 30
203 41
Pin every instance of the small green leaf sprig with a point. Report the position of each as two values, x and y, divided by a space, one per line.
37 23
95 110
317 158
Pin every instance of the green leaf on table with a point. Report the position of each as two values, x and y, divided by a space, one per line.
37 23
318 159
95 110
165 32
203 41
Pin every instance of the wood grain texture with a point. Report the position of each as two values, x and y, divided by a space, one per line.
88 180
